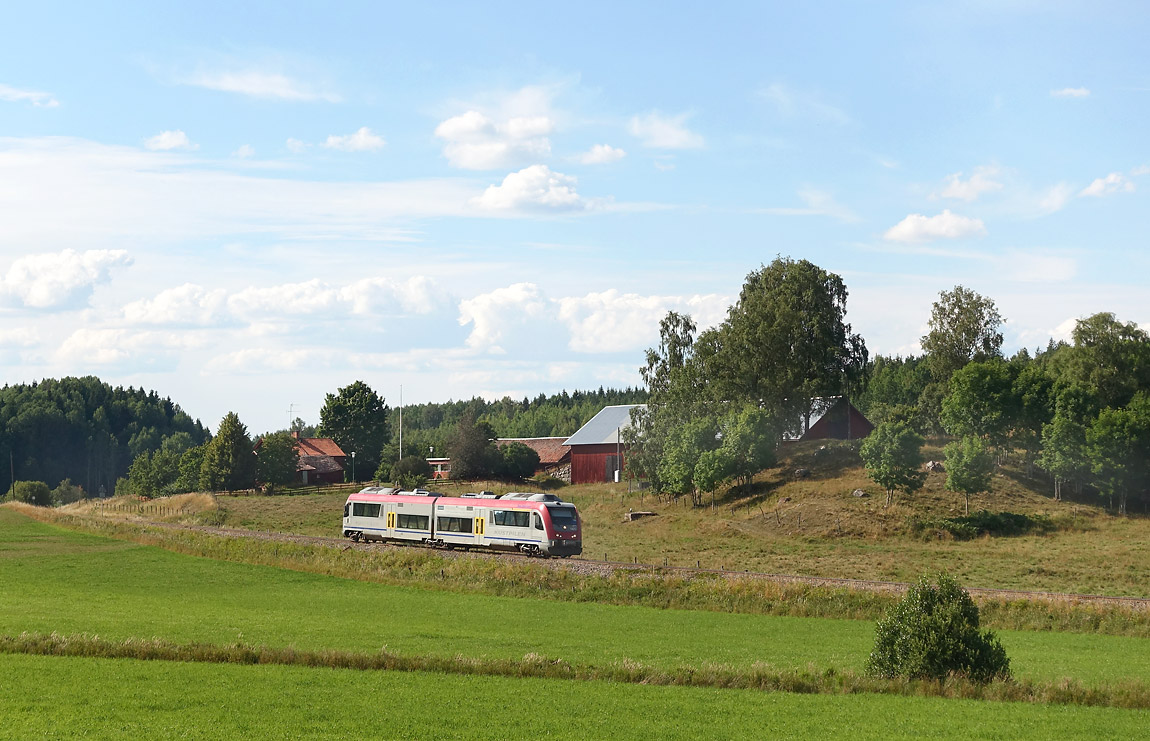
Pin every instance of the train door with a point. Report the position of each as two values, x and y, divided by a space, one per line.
480 521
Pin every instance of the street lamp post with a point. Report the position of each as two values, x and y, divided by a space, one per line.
353 465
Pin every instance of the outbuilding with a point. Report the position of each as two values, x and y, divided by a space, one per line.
597 447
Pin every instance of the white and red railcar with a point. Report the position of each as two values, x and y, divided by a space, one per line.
534 524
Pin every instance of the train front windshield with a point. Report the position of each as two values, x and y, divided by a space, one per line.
564 519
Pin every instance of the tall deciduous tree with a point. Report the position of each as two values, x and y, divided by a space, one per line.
1119 445
964 326
786 340
892 455
981 401
472 450
969 466
276 460
356 418
229 462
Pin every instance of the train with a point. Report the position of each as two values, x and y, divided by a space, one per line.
532 523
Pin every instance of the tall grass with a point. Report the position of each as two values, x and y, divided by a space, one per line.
638 586
1129 694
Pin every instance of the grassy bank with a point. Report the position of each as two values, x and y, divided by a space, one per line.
55 697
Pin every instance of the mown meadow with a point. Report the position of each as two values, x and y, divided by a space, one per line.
112 597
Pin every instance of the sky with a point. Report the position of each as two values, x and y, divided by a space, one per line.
247 208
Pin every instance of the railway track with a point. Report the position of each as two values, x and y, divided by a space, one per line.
591 566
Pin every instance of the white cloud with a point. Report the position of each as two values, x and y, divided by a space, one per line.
296 145
1115 182
980 181
188 304
125 348
363 140
492 315
245 151
168 140
818 203
613 322
533 187
15 95
1140 170
1054 198
601 154
475 142
59 280
791 102
18 337
658 131
1070 92
259 84
947 225
375 296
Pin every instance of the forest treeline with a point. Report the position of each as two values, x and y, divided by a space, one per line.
86 431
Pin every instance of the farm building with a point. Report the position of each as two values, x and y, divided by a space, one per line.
831 418
554 454
597 447
321 460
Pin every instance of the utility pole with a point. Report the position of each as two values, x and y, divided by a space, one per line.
401 421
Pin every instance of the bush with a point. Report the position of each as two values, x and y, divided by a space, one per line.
67 493
31 492
983 523
932 633
410 472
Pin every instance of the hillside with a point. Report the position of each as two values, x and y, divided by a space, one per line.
816 526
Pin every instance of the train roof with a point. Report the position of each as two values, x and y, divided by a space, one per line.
405 497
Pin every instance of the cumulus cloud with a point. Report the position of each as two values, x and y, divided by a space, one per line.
188 304
947 225
1070 92
817 203
363 140
980 181
616 322
602 154
535 187
10 94
296 145
1054 198
491 315
168 140
1113 183
658 131
260 84
59 280
473 141
244 151
18 337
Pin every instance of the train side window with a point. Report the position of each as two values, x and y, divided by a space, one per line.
365 509
413 522
346 507
453 524
537 520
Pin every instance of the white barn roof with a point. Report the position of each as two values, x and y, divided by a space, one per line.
605 426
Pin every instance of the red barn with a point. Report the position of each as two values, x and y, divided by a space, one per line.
831 418
597 448
321 460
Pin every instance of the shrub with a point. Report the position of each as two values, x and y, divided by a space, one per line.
66 493
31 492
983 523
410 472
932 633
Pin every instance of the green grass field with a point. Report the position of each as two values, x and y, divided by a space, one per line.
54 580
59 698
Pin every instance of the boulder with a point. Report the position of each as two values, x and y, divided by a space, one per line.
859 493
802 473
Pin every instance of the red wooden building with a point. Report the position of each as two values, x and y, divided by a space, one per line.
597 448
831 418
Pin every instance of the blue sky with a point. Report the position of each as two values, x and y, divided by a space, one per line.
246 209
